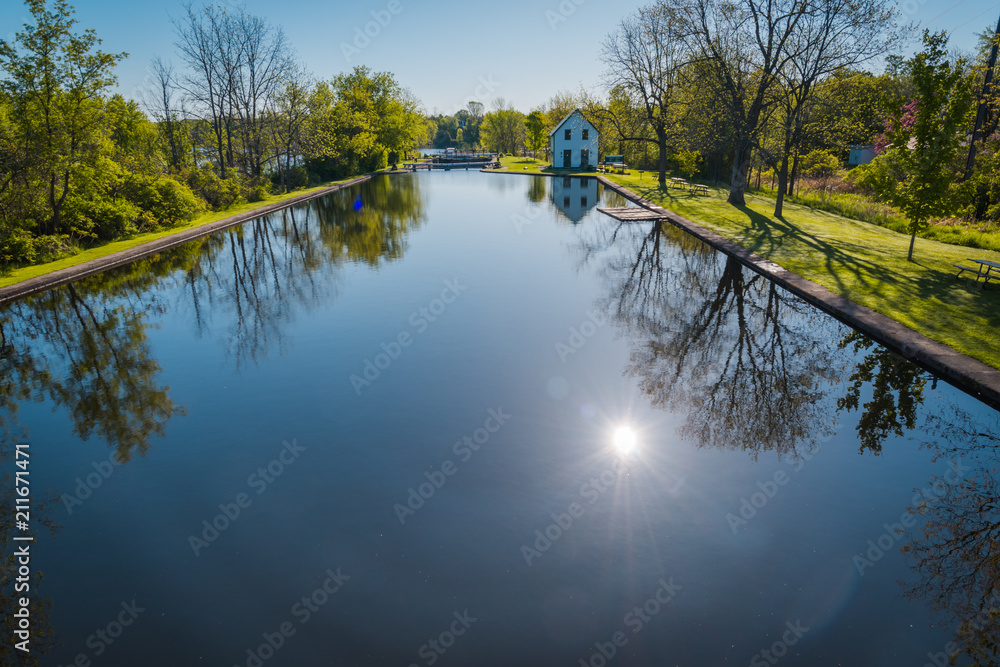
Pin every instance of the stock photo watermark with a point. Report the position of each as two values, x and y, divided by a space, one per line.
779 649
591 491
437 647
420 320
768 489
635 620
530 214
302 611
259 481
562 12
464 449
85 486
363 35
895 532
579 335
103 638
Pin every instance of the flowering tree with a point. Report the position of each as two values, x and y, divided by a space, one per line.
919 170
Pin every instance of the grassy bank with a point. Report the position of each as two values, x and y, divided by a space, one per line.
861 261
982 235
96 252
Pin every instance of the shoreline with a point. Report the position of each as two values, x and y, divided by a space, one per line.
972 376
978 379
120 258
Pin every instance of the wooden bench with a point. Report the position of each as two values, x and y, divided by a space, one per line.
700 189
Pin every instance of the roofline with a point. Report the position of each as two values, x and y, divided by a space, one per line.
563 121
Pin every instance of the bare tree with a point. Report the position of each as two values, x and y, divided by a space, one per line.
836 35
291 109
264 64
644 57
746 45
158 98
204 83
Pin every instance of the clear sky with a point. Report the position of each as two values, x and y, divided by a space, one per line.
445 51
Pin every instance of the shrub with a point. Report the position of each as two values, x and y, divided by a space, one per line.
256 190
219 193
298 177
105 219
166 201
17 246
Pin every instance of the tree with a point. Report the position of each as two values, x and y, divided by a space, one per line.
920 172
643 58
535 124
291 108
159 100
833 35
55 78
745 47
688 162
503 128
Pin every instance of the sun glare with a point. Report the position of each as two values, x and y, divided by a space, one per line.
625 440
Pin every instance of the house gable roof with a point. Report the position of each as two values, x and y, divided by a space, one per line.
568 116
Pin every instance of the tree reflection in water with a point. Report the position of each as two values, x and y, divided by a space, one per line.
745 361
85 347
956 554
897 392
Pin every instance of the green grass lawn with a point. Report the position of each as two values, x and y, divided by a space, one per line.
527 164
858 260
24 273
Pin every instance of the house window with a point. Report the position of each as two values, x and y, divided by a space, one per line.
566 202
586 135
583 202
567 181
569 134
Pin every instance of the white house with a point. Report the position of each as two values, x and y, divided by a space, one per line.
574 196
573 144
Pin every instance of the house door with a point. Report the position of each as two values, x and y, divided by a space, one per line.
584 158
567 159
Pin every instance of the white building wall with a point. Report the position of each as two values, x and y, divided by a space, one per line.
576 124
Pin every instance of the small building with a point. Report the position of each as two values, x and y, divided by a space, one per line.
861 155
574 143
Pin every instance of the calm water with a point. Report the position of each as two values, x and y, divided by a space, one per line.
381 429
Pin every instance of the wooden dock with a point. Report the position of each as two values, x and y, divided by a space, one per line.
634 213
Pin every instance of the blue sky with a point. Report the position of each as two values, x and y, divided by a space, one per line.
445 51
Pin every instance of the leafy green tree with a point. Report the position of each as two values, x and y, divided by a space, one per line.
535 124
920 172
55 78
688 162
503 128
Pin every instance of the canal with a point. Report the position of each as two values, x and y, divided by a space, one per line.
466 419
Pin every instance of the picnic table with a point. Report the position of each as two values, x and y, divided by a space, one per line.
986 271
679 182
699 189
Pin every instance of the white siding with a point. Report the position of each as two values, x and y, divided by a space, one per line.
576 124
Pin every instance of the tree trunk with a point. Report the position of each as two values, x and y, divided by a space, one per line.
913 239
738 183
779 203
794 177
661 140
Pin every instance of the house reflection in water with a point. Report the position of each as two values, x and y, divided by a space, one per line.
574 196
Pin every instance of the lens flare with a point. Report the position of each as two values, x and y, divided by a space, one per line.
625 440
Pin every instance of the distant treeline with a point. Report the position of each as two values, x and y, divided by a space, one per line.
236 119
